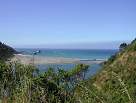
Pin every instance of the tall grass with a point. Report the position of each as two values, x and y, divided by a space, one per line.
23 84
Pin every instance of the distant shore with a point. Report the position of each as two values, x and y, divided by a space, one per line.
28 59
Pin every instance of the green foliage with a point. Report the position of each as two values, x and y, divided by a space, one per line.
115 83
15 82
6 51
58 86
122 46
133 46
22 84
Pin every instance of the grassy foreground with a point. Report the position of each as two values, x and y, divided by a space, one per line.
23 84
115 83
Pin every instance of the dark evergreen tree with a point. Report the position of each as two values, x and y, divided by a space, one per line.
122 46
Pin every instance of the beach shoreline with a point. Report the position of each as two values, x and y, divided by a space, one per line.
29 59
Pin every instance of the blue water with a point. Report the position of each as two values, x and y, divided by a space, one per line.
93 69
81 54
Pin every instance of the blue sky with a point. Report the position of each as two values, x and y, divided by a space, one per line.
71 23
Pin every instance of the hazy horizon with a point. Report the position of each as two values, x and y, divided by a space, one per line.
95 45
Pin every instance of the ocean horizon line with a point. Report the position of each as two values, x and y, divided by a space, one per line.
66 48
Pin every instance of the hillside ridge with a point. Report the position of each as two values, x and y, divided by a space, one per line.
116 81
6 51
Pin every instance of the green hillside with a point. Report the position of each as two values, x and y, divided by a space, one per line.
6 51
115 83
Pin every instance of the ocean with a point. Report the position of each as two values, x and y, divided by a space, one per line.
91 54
71 53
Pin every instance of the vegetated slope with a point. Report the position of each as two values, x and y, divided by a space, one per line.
115 83
6 51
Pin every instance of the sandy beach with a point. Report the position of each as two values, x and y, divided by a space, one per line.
28 59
